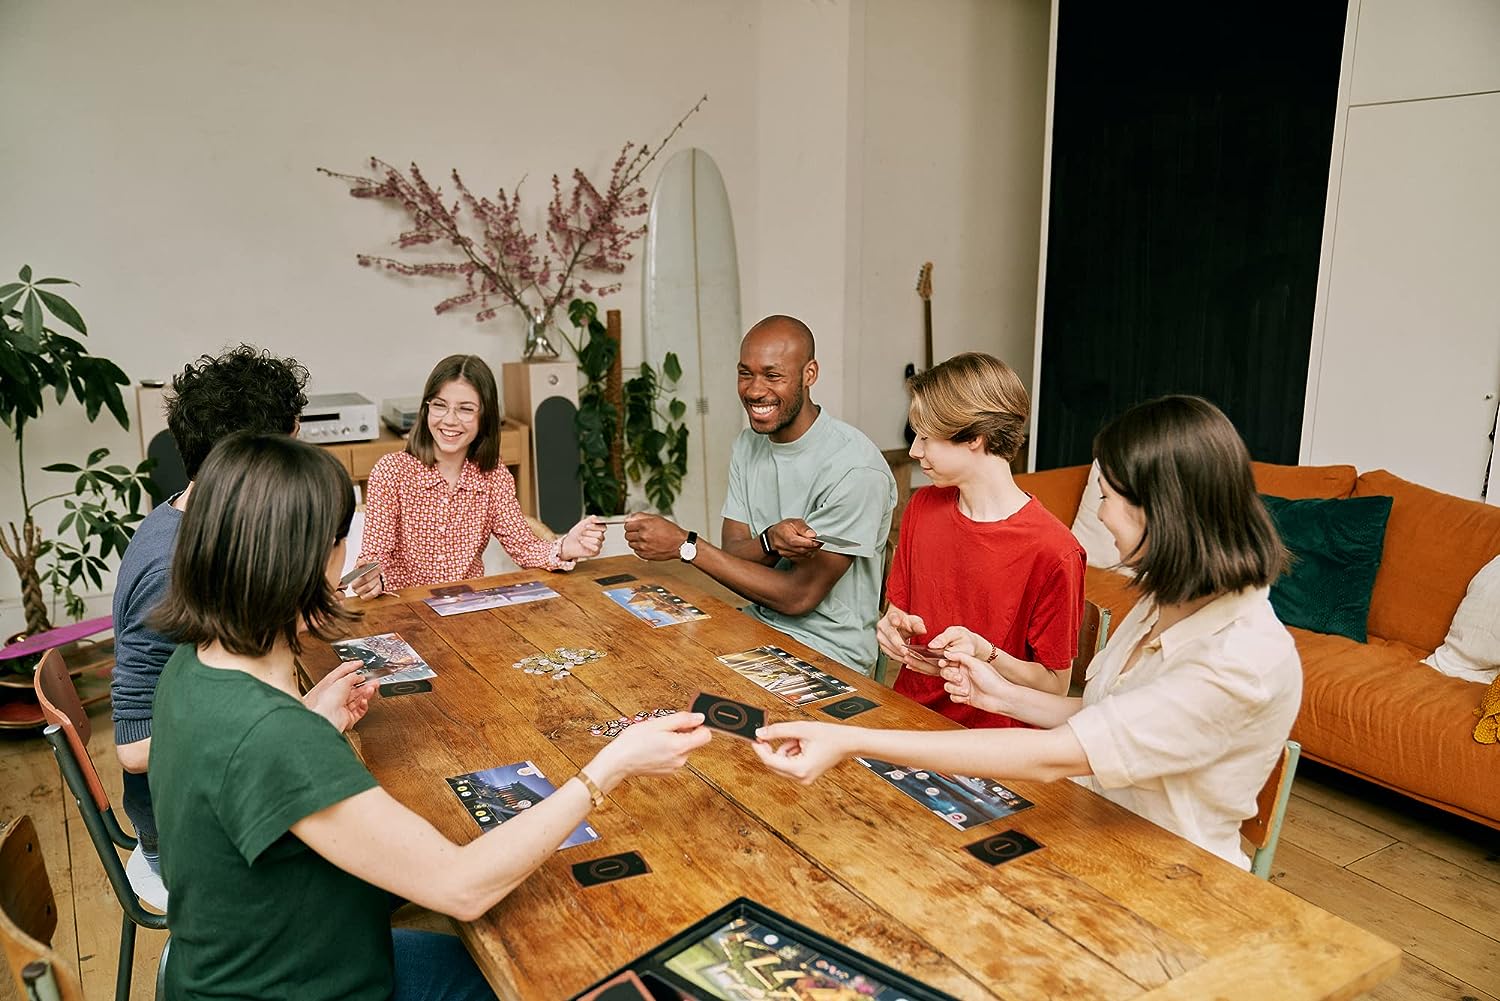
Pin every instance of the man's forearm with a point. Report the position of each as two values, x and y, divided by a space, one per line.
764 585
750 550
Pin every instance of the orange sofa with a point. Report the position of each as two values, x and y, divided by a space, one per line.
1372 709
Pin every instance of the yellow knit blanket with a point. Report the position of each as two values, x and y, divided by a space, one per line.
1488 730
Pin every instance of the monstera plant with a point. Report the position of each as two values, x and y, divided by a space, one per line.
100 505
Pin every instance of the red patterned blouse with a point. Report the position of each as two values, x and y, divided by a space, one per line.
425 532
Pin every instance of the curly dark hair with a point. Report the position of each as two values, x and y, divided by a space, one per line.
243 389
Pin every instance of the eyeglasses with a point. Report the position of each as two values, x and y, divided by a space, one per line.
464 413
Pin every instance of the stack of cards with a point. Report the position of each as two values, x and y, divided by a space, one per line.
496 795
788 677
559 663
387 657
962 800
613 728
655 604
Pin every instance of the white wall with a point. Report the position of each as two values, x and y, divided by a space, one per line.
1405 370
950 161
163 155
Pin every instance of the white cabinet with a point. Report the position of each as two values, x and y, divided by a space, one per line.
1411 344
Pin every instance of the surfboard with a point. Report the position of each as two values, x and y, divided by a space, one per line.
690 303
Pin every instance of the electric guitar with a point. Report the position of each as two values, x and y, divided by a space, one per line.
924 289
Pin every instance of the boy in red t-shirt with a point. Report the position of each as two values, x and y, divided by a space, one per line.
982 567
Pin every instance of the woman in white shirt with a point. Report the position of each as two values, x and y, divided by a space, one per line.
1186 709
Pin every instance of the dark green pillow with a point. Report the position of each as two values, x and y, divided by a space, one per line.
1336 547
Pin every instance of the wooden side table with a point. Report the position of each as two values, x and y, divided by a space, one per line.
359 457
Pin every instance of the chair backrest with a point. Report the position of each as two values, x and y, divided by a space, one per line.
28 913
1092 635
62 708
1264 829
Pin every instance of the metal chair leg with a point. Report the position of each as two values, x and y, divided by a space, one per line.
127 959
161 970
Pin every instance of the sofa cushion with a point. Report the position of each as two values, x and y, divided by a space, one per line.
1375 709
1335 547
1303 481
1059 490
1471 650
1434 545
1098 544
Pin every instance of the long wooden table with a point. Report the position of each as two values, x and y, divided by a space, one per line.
1112 907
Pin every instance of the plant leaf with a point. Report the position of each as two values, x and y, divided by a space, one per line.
671 367
31 324
62 309
61 467
54 281
96 455
25 273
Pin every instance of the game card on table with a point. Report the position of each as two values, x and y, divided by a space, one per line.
655 604
787 677
495 795
962 800
490 597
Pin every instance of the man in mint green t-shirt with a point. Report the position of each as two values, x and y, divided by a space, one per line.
796 475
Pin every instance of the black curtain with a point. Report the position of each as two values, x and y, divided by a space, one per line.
1190 155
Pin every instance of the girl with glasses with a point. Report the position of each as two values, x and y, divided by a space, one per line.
431 510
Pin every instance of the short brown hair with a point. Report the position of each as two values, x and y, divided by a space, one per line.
484 450
1181 461
969 396
251 563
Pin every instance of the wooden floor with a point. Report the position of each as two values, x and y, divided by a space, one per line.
1409 873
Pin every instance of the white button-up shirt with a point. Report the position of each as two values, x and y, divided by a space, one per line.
1188 735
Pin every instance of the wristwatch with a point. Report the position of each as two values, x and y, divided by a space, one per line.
689 549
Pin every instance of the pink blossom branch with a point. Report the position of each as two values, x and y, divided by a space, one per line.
502 263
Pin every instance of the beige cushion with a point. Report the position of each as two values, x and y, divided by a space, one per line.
1472 648
1097 543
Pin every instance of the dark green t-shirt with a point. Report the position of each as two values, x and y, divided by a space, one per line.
254 912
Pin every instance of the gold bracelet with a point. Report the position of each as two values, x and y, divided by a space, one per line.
594 793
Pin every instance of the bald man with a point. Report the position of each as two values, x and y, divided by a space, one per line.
796 474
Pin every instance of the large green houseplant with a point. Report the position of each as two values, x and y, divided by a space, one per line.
102 504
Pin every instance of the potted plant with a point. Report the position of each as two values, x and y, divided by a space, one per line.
101 506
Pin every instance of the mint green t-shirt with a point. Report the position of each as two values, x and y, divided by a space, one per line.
254 912
836 480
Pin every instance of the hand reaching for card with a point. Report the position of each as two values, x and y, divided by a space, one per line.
339 697
893 631
971 681
657 746
802 750
584 540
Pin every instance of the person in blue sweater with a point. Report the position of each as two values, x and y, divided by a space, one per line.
243 389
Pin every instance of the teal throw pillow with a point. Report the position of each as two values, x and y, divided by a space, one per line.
1336 547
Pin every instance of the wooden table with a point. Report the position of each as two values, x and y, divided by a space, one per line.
359 457
1112 907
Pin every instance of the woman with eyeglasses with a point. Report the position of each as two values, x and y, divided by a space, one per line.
431 510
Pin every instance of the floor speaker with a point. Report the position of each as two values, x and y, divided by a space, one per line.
544 395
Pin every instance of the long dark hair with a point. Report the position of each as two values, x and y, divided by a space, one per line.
484 450
1182 462
251 564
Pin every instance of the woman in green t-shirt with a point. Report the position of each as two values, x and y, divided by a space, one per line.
278 848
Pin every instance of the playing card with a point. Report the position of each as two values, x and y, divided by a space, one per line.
610 868
395 688
619 578
356 574
834 542
1002 847
624 987
924 651
730 716
789 678
852 706
496 795
962 800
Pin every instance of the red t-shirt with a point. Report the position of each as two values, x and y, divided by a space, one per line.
1018 583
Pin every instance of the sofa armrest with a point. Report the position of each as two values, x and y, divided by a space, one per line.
1059 490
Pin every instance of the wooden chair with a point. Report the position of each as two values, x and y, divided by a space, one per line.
28 917
68 733
1264 829
1092 635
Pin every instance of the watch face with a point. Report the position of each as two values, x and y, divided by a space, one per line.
688 551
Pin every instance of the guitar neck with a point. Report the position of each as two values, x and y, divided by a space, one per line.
927 327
